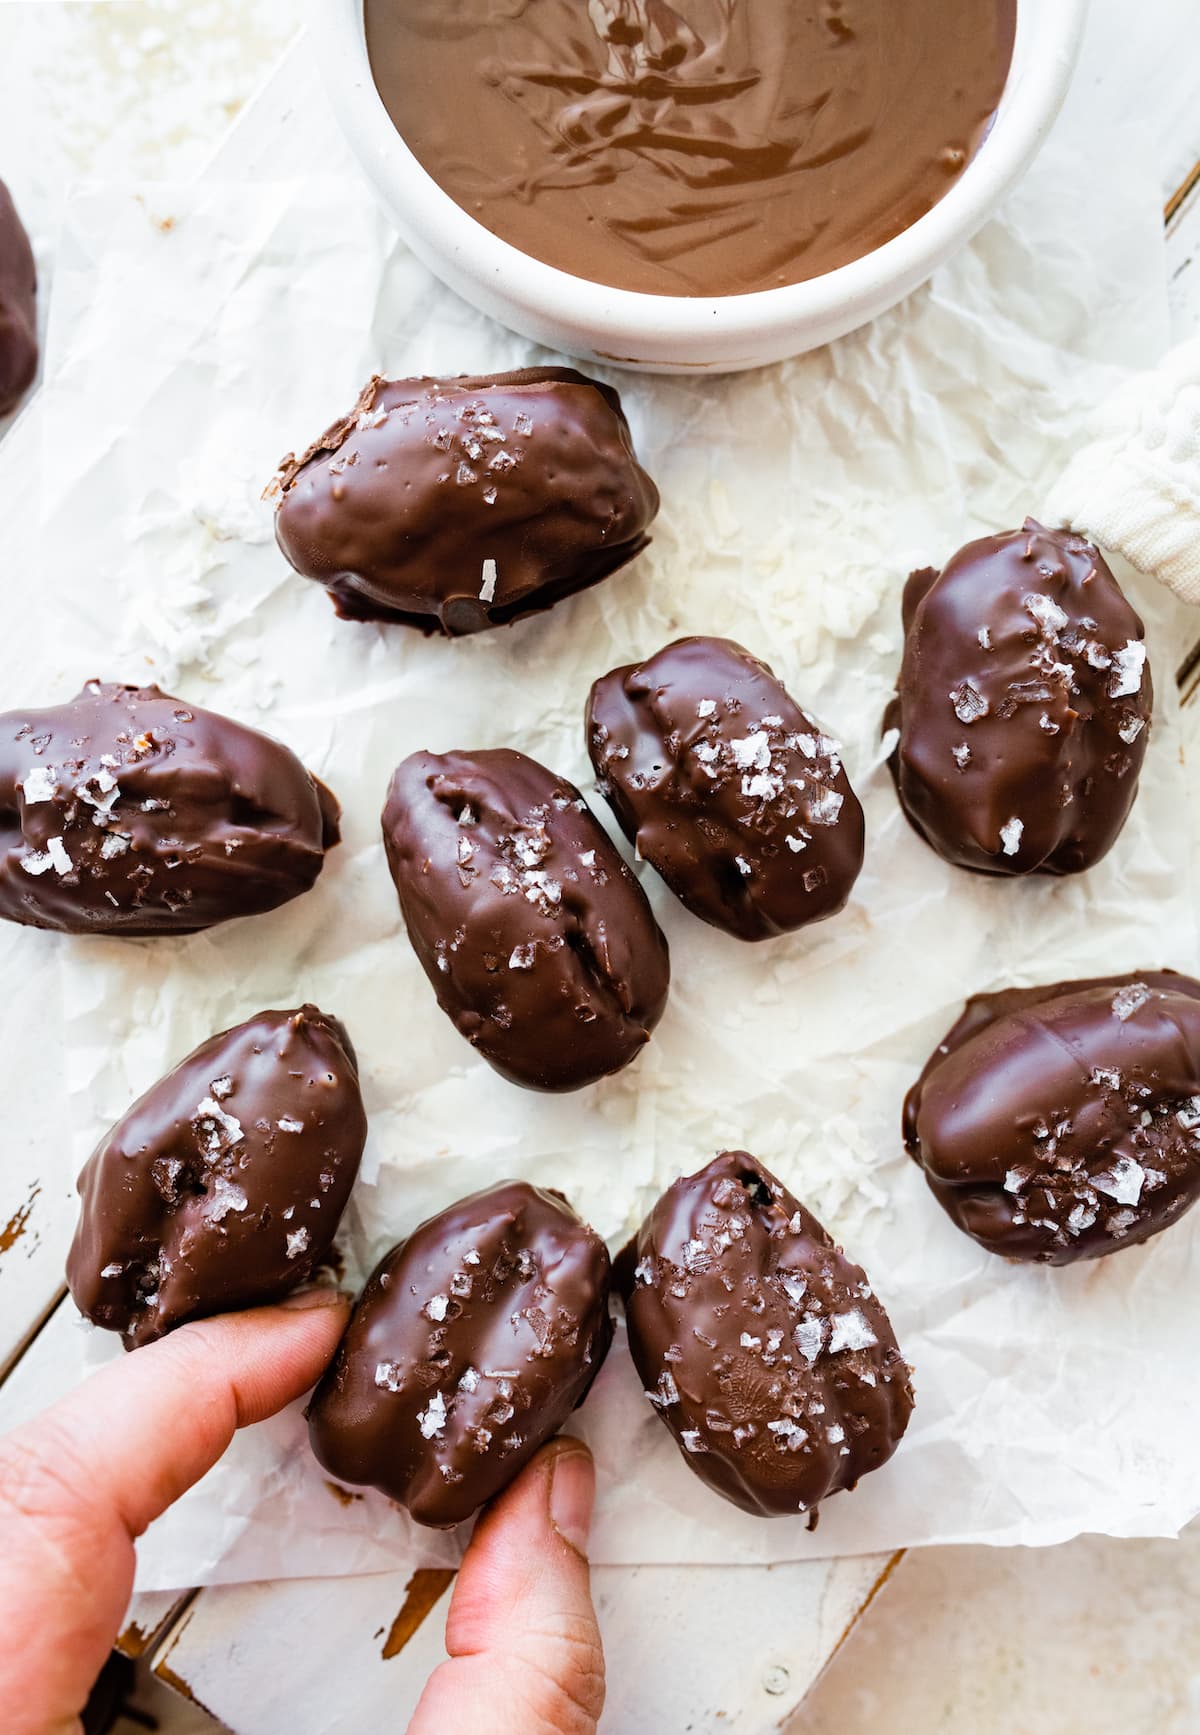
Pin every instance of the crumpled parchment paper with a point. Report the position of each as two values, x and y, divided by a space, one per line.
199 333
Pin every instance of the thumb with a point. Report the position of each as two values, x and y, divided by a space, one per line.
522 1635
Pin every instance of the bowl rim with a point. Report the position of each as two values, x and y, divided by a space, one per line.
1044 55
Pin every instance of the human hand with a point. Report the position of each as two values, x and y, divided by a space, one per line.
524 1647
81 1482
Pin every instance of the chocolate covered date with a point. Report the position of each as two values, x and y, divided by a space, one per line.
1023 705
762 1348
224 1185
539 942
470 1346
129 812
1063 1122
18 307
727 787
458 504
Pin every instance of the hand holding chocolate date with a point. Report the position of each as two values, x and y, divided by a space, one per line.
129 812
727 787
1023 705
1063 1123
470 1346
224 1185
762 1347
538 941
463 503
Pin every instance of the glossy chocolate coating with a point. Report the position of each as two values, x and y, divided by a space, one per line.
18 307
539 942
1023 705
224 1185
129 812
727 787
470 1346
763 1349
692 147
1063 1122
459 504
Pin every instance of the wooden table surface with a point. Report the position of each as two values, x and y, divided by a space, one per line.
765 1634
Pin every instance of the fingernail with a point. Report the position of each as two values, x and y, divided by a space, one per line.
316 1295
572 1494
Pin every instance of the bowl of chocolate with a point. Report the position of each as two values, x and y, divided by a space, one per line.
706 184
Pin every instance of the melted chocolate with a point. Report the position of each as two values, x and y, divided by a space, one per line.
470 1346
763 1349
704 147
129 812
727 787
224 1185
1063 1123
18 307
459 504
1023 705
539 942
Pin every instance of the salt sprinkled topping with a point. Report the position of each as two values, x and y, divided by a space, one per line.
1130 729
1106 1077
223 1198
113 1270
1010 836
523 957
706 707
221 1087
1127 1000
985 638
666 1392
57 851
744 865
1014 1180
115 844
969 703
962 755
436 1306
794 1286
1123 1182
810 1338
389 1376
41 784
693 1440
289 1125
850 1331
1128 666
37 863
835 1435
431 1421
795 844
487 589
1045 612
469 1381
752 753
788 1433
748 1342
471 1257
215 1128
297 1243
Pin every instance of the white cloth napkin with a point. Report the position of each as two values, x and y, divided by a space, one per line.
1136 487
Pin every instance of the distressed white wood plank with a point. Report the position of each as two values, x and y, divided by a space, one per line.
764 1634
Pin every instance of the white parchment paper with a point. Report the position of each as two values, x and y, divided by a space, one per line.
202 331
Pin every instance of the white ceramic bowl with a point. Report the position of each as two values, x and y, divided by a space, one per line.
683 334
